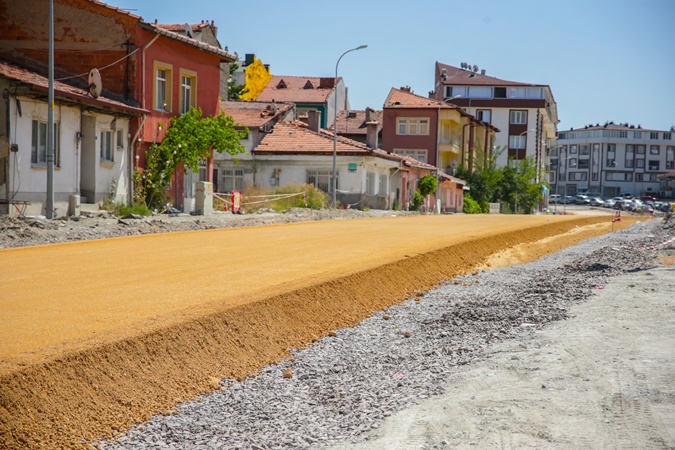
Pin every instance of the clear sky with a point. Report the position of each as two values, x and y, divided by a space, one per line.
605 60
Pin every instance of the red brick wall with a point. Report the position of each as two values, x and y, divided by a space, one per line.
391 140
86 35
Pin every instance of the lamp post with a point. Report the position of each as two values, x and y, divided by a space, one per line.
335 125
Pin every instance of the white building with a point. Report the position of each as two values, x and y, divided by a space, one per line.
91 137
526 114
612 159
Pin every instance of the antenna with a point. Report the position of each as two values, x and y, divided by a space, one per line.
94 82
188 30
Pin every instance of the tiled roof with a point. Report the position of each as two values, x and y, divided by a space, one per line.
253 114
180 27
295 138
457 76
398 98
354 122
65 91
224 54
297 89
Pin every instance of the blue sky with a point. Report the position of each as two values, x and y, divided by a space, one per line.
604 60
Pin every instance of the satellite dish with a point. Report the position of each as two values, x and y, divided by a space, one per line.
188 30
454 164
94 81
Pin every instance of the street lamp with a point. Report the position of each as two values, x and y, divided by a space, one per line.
335 126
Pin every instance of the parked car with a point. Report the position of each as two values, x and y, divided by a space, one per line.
554 198
582 200
648 198
625 195
609 203
568 199
620 204
597 201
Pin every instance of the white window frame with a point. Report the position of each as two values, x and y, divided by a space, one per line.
518 117
39 143
382 188
481 113
185 93
232 180
419 155
370 183
412 126
323 179
517 142
119 139
105 145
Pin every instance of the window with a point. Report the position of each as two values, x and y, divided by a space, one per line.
39 144
639 176
640 163
670 157
162 86
583 150
573 149
654 164
448 91
321 179
654 150
640 149
618 176
517 92
419 155
382 189
500 92
578 176
105 144
637 134
188 90
119 139
630 156
611 155
480 92
583 164
667 136
518 117
517 142
233 180
653 135
573 162
413 127
484 115
370 183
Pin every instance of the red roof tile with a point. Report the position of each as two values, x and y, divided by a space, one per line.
398 98
65 91
253 114
297 89
224 54
180 27
354 122
458 76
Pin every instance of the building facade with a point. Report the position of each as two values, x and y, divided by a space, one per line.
612 159
526 114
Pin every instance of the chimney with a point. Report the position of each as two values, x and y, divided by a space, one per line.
405 88
249 59
369 114
371 133
314 119
326 83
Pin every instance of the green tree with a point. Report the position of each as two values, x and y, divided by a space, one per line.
189 139
428 185
234 90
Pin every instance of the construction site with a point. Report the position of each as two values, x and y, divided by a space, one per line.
101 337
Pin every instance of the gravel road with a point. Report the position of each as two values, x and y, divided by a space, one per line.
571 351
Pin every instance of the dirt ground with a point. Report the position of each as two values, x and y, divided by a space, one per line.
602 379
102 334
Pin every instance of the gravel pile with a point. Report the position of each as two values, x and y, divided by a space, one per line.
344 385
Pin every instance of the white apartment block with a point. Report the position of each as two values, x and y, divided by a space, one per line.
612 159
526 114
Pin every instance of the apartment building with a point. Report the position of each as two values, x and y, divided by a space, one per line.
525 113
613 159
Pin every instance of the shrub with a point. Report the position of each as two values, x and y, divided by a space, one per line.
312 198
471 206
416 201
